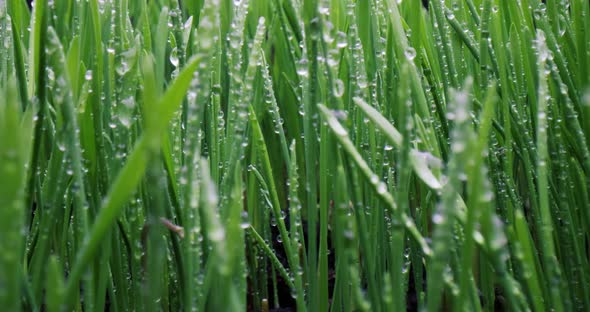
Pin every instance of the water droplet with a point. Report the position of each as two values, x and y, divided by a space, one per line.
381 188
338 88
302 68
174 57
245 220
438 218
341 40
410 53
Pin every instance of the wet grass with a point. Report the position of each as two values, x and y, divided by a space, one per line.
321 155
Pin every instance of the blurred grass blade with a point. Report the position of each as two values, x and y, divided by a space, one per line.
15 135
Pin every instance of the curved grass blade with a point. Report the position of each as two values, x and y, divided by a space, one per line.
419 160
131 174
379 187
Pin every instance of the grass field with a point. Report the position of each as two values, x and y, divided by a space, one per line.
295 155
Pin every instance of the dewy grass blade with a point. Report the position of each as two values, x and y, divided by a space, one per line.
275 204
131 174
419 160
269 252
390 132
38 26
478 200
327 126
379 187
19 64
546 225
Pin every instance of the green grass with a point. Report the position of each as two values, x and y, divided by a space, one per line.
317 155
